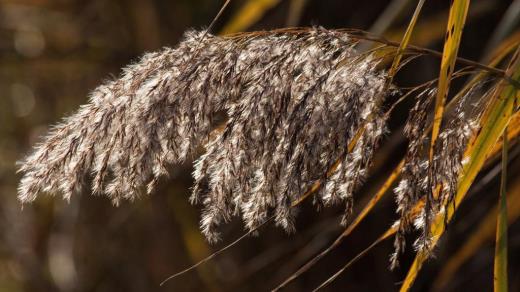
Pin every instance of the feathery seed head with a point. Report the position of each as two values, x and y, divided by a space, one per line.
293 101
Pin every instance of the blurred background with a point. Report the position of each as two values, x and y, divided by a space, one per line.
53 52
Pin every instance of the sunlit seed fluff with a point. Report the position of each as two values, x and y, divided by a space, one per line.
294 100
420 177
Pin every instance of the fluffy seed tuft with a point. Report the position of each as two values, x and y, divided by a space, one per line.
293 101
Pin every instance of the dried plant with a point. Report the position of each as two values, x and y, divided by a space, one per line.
293 101
435 183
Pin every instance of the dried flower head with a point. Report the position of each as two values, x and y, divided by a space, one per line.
293 101
433 183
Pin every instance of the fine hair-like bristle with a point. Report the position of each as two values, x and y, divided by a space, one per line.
293 102
434 182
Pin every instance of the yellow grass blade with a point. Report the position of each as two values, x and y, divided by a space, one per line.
498 56
500 266
493 123
249 14
406 39
456 20
432 28
482 234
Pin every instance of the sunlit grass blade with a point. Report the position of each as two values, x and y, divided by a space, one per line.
500 263
249 14
494 121
432 28
391 231
456 20
406 40
482 234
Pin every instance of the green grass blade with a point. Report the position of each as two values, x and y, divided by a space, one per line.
500 267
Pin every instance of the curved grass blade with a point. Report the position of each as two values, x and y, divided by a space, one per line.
482 234
456 20
500 265
432 27
249 14
406 40
493 123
